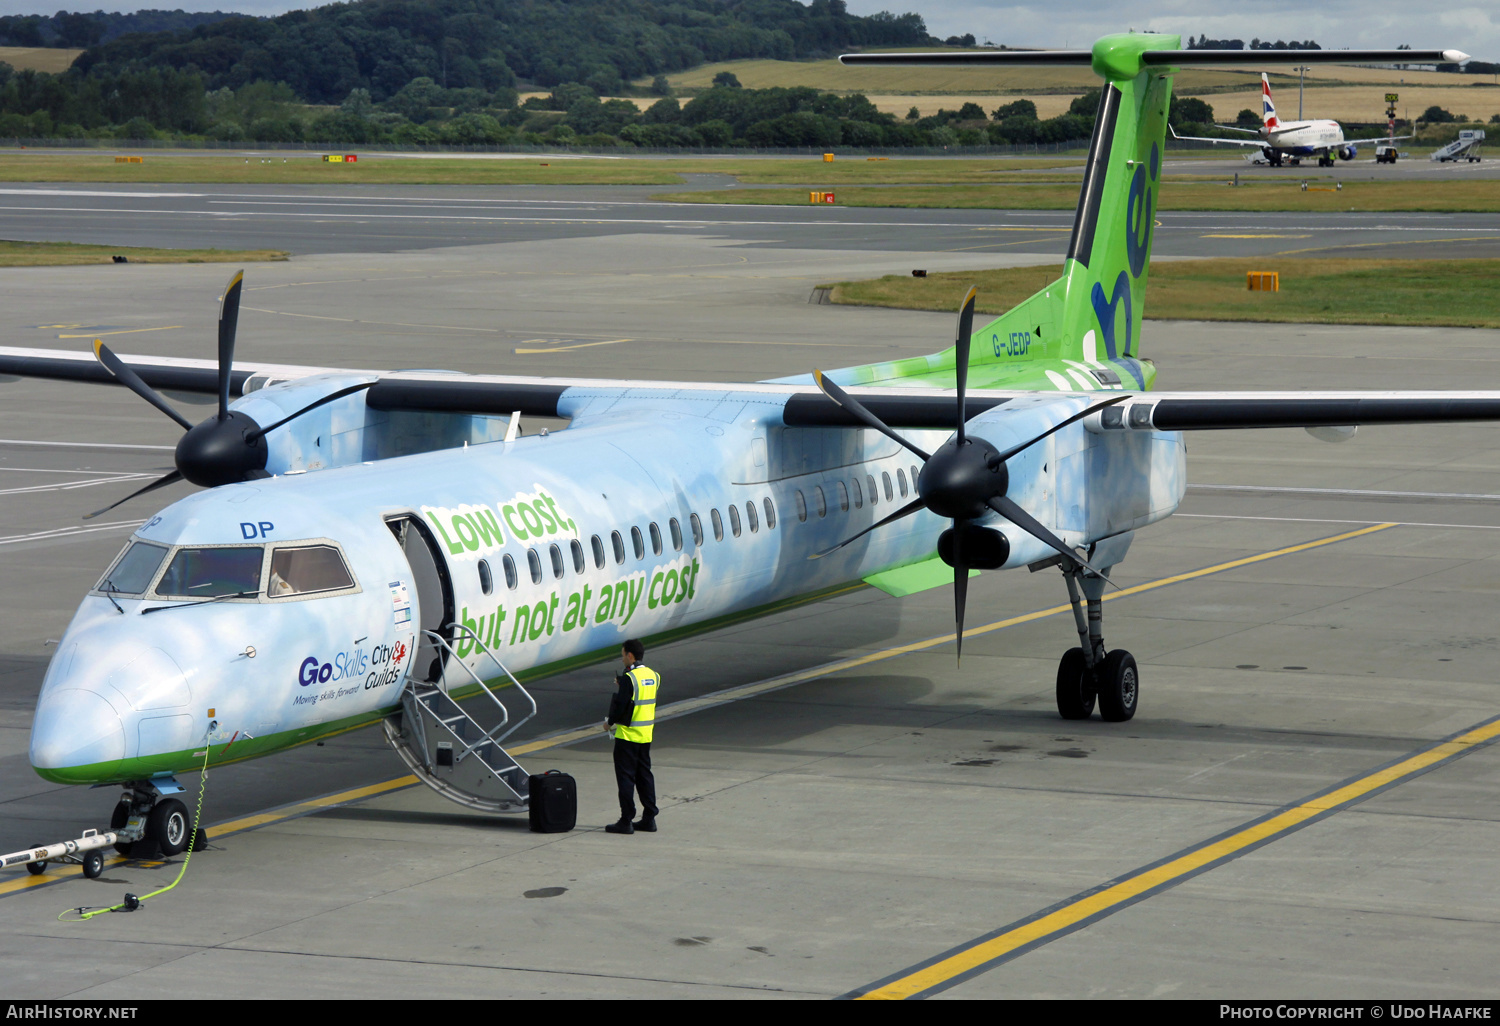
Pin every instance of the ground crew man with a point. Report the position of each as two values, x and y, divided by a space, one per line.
632 714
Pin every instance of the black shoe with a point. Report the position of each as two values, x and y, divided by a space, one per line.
646 824
622 827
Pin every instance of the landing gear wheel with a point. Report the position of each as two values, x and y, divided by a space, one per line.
36 868
1119 686
169 826
1075 686
118 819
93 864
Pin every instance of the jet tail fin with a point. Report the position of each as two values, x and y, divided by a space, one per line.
1267 108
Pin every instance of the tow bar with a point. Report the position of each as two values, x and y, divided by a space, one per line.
87 851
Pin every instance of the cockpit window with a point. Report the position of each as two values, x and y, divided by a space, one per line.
208 573
134 569
306 569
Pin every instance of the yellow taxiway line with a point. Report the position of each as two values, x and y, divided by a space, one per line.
984 953
59 873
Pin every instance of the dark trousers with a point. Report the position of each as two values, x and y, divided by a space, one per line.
633 773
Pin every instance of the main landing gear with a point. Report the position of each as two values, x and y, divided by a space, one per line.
150 819
1088 674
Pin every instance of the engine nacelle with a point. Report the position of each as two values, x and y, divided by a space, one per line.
1347 152
983 548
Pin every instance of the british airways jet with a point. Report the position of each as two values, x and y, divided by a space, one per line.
1289 141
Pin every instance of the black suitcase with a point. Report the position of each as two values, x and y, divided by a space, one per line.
553 803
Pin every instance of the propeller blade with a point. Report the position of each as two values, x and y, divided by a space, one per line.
961 351
915 506
1025 521
252 436
160 482
131 380
1008 453
960 587
853 405
229 317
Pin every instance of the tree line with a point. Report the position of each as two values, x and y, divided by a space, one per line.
77 30
382 45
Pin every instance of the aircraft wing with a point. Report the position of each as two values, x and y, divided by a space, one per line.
802 405
1259 144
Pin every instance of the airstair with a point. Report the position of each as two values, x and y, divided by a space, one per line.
1465 147
447 746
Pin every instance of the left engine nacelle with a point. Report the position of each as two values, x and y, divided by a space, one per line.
1347 152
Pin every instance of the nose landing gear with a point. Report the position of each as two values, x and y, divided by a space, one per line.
146 818
1089 674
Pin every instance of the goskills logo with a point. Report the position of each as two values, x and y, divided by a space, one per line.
379 666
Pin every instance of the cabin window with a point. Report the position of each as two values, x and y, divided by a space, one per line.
578 563
557 560
638 543
843 498
210 573
801 506
718 522
134 569
821 500
598 545
486 580
914 472
901 481
618 544
676 529
511 577
655 538
734 521
534 562
874 492
750 516
697 526
770 513
886 479
859 495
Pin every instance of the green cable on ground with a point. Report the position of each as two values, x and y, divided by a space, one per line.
80 912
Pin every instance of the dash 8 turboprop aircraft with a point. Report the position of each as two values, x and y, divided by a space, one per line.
371 546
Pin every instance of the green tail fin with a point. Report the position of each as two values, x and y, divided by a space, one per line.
1092 314
1083 329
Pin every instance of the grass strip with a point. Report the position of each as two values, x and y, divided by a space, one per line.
67 254
303 168
1473 196
1436 293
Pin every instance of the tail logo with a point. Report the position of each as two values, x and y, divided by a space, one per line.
1139 223
1104 311
1138 211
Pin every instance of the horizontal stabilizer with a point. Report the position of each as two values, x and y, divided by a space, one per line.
1158 58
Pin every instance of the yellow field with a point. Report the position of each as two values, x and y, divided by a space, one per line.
1342 92
833 76
1363 103
38 58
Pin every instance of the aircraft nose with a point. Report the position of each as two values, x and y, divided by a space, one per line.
76 728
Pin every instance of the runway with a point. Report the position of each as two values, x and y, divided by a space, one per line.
390 219
846 808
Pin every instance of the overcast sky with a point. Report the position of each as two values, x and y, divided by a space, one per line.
1471 27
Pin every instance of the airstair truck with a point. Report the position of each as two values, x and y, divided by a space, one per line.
1465 147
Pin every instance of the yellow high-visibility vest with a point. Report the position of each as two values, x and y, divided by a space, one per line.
643 682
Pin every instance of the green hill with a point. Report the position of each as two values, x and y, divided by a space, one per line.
325 53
